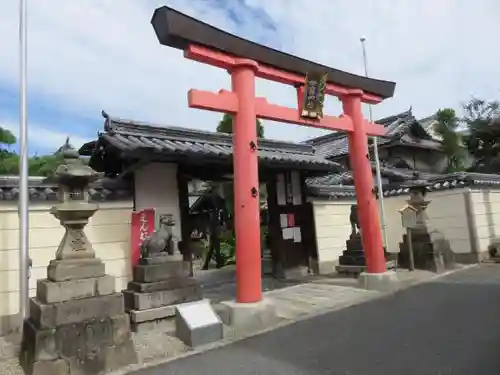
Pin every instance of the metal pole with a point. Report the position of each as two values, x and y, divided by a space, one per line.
377 160
23 164
411 258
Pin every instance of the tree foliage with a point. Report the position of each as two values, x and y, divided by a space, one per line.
6 138
447 126
226 126
7 157
9 160
482 119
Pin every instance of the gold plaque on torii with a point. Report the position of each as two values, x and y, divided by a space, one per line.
314 95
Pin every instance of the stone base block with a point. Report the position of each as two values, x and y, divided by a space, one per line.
161 285
254 316
161 258
159 325
72 269
76 311
149 273
139 316
197 324
384 282
144 301
60 291
85 348
55 367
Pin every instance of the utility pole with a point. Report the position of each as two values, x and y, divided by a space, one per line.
377 160
23 163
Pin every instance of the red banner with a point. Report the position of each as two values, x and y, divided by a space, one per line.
143 224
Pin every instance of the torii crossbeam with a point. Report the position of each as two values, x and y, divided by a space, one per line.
245 61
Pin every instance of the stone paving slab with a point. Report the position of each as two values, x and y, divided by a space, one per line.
313 297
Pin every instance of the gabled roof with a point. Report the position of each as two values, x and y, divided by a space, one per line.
403 128
138 138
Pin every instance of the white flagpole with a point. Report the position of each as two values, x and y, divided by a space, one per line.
377 160
23 164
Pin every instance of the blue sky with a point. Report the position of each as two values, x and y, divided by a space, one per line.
89 55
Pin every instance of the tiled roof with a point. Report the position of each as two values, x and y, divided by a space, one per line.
390 175
398 128
128 136
321 188
39 191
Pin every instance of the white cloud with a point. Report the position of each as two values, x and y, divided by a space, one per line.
89 55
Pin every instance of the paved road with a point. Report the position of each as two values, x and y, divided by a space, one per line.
451 326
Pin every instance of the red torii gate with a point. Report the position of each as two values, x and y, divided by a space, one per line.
204 43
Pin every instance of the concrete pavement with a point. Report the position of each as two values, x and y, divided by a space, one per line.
448 326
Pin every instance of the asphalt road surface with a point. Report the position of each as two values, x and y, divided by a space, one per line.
450 326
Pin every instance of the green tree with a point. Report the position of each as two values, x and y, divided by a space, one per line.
482 118
447 126
44 165
226 126
37 165
8 159
7 139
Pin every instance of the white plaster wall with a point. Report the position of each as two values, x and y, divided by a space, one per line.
108 230
156 187
486 211
332 226
446 213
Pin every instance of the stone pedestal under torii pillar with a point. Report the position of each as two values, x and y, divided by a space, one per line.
353 260
77 322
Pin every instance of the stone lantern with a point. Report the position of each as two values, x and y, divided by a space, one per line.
431 249
77 322
74 209
418 191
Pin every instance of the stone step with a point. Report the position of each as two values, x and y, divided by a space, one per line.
168 284
357 269
352 261
160 298
354 253
91 347
139 316
350 269
149 273
75 311
48 291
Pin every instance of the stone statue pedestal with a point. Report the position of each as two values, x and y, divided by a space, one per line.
159 284
353 261
77 323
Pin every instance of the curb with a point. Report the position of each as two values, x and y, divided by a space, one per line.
371 295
